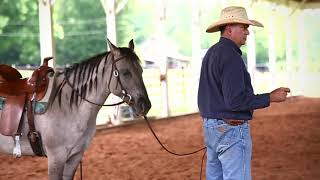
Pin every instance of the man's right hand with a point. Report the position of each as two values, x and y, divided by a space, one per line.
279 94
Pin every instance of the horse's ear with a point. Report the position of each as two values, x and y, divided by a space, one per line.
131 45
114 49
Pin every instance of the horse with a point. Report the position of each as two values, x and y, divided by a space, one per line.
69 123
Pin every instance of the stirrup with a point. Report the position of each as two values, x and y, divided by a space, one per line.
17 147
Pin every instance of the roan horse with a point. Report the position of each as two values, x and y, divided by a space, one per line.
69 124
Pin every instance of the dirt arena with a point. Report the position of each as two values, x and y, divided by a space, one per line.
286 146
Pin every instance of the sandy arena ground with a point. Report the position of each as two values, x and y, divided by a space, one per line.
286 146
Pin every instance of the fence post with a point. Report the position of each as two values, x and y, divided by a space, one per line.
46 31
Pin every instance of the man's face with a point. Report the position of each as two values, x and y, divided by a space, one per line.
238 33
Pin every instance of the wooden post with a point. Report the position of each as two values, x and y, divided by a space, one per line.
302 52
196 52
109 7
272 52
289 52
163 58
111 21
196 36
46 32
251 52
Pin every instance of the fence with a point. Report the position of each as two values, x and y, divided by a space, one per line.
183 87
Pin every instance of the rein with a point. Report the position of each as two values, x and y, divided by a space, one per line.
176 154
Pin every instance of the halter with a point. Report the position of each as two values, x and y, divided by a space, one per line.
114 72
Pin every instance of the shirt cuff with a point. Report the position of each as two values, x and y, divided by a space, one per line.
264 100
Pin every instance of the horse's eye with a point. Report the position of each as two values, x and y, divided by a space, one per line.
127 73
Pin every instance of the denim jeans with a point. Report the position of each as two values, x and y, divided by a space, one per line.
229 150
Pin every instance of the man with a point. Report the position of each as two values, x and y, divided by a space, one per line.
226 99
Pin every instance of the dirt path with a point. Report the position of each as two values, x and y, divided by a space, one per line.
286 145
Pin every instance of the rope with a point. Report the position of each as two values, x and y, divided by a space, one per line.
204 154
177 154
169 151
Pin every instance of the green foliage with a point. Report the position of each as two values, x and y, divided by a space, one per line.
19 32
79 30
178 25
209 14
136 21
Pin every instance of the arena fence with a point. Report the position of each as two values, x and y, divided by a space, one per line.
183 87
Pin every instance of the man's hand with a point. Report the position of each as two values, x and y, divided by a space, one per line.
279 95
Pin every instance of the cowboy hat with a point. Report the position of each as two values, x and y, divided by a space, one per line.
230 15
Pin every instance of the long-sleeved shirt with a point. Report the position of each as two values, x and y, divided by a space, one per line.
225 90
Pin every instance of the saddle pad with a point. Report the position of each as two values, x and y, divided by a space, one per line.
11 115
2 102
40 107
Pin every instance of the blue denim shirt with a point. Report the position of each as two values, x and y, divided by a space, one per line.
225 89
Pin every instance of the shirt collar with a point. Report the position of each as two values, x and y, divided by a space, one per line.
230 43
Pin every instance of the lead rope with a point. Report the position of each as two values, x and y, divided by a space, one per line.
81 169
169 151
176 154
204 154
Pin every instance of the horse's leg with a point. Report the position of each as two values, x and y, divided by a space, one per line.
56 165
71 166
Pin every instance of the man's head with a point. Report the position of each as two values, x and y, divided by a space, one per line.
233 24
236 32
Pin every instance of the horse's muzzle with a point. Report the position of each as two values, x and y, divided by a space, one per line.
142 106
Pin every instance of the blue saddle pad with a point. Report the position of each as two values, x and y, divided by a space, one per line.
40 107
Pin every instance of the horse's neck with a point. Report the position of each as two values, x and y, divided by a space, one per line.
90 83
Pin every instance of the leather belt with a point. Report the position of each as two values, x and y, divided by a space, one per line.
234 122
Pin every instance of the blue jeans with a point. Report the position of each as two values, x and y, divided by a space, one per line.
229 150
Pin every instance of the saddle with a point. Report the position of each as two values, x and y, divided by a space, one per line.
20 93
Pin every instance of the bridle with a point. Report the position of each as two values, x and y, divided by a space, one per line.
115 73
126 98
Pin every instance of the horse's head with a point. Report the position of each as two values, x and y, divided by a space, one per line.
126 81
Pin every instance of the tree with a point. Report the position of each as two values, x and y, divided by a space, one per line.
19 32
79 30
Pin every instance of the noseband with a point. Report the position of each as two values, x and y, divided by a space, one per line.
126 98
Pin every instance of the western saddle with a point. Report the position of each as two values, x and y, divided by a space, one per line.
20 93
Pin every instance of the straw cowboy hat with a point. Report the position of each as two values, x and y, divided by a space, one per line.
230 15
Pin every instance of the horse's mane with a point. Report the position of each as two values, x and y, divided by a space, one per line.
83 80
